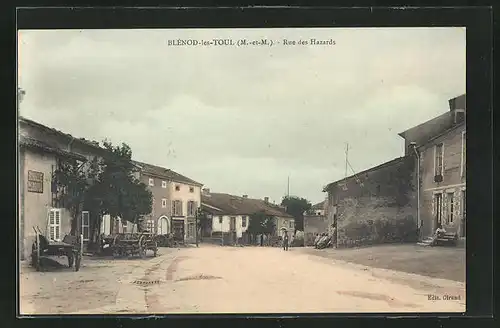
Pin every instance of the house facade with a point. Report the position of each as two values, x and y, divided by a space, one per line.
40 151
230 214
442 169
176 201
362 204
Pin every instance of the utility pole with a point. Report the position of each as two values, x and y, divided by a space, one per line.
346 154
288 187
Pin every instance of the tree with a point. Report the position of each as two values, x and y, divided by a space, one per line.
118 192
105 186
71 181
296 207
203 221
261 223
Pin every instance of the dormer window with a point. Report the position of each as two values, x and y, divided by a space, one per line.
459 116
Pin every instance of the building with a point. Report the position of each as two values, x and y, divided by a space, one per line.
365 205
440 144
319 208
231 214
41 150
176 201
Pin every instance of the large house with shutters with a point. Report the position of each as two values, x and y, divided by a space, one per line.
176 199
440 145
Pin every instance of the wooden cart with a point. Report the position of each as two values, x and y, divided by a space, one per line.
69 247
130 244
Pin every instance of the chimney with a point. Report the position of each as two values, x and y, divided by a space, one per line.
244 196
206 191
266 199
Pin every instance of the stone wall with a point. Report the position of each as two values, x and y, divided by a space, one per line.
377 206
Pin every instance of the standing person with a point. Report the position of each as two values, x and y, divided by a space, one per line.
285 241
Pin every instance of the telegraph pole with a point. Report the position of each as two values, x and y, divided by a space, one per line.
346 154
288 187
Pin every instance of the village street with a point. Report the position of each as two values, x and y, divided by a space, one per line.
232 280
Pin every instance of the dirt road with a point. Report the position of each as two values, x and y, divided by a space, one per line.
239 280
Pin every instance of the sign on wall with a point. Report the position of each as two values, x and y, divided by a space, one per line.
35 181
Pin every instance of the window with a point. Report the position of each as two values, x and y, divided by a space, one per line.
438 159
86 225
164 203
191 189
291 224
191 208
55 224
450 207
164 184
438 208
177 208
220 219
124 226
177 188
151 182
243 221
463 162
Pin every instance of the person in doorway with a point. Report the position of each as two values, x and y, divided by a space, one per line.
285 241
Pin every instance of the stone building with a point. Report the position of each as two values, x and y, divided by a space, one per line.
440 145
367 205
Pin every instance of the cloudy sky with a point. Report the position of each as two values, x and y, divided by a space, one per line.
242 119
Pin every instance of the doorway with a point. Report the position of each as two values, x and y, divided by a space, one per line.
232 228
178 230
163 228
438 210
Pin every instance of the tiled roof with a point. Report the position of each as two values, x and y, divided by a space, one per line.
90 143
165 173
37 144
318 206
235 205
355 176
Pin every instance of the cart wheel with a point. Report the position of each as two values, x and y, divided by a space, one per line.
78 261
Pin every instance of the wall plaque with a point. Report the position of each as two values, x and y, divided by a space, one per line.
35 181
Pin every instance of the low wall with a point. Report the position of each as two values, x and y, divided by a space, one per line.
374 220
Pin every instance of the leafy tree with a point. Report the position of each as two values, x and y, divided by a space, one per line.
203 221
105 186
118 192
72 180
296 207
261 223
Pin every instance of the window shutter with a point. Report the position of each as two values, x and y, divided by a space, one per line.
180 207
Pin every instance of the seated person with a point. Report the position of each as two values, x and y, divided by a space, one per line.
440 231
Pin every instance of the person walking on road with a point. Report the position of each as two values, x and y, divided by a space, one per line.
285 241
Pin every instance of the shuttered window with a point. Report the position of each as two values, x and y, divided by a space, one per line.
86 225
177 208
55 224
